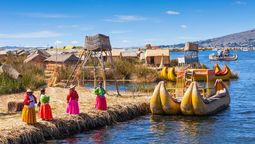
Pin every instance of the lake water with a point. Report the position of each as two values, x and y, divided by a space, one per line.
234 125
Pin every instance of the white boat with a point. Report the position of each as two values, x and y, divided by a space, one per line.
214 57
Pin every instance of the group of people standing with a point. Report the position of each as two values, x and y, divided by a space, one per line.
44 108
222 53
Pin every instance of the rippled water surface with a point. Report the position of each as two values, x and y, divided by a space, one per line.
234 125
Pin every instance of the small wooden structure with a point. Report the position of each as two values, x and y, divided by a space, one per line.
96 48
155 56
191 53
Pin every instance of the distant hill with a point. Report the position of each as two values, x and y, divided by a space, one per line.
242 39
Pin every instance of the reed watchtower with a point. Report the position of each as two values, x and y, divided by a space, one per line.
191 53
97 48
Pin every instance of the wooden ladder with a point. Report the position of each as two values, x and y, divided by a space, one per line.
78 65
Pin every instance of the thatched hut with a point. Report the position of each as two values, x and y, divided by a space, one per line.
129 55
61 60
154 56
37 57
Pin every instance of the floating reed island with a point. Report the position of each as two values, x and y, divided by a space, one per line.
120 109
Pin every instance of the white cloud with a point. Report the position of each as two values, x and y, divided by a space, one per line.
240 2
184 26
45 15
57 42
170 12
74 42
125 18
39 34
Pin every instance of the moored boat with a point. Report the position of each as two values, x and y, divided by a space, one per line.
195 104
224 74
214 57
162 102
170 74
198 99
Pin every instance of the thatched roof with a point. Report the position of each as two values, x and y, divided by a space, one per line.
41 52
62 58
97 43
157 52
32 57
20 51
128 54
69 47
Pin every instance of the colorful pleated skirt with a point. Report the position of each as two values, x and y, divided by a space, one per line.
73 107
28 115
101 103
45 112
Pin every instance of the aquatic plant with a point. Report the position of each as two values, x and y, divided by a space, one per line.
145 74
32 75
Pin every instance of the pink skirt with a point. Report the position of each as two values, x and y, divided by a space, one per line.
73 107
101 103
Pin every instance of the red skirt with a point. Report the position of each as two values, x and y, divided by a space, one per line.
45 112
101 103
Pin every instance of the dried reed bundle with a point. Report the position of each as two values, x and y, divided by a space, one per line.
72 124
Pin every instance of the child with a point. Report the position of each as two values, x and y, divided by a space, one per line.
100 99
44 107
28 111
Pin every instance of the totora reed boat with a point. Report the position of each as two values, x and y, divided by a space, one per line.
193 99
170 74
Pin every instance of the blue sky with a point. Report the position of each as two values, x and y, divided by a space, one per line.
127 22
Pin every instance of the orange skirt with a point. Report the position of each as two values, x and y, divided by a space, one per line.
28 115
45 112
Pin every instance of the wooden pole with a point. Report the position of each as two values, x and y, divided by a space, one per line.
103 68
94 64
115 79
75 68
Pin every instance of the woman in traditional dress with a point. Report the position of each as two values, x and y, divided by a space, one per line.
72 101
44 107
100 99
28 111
